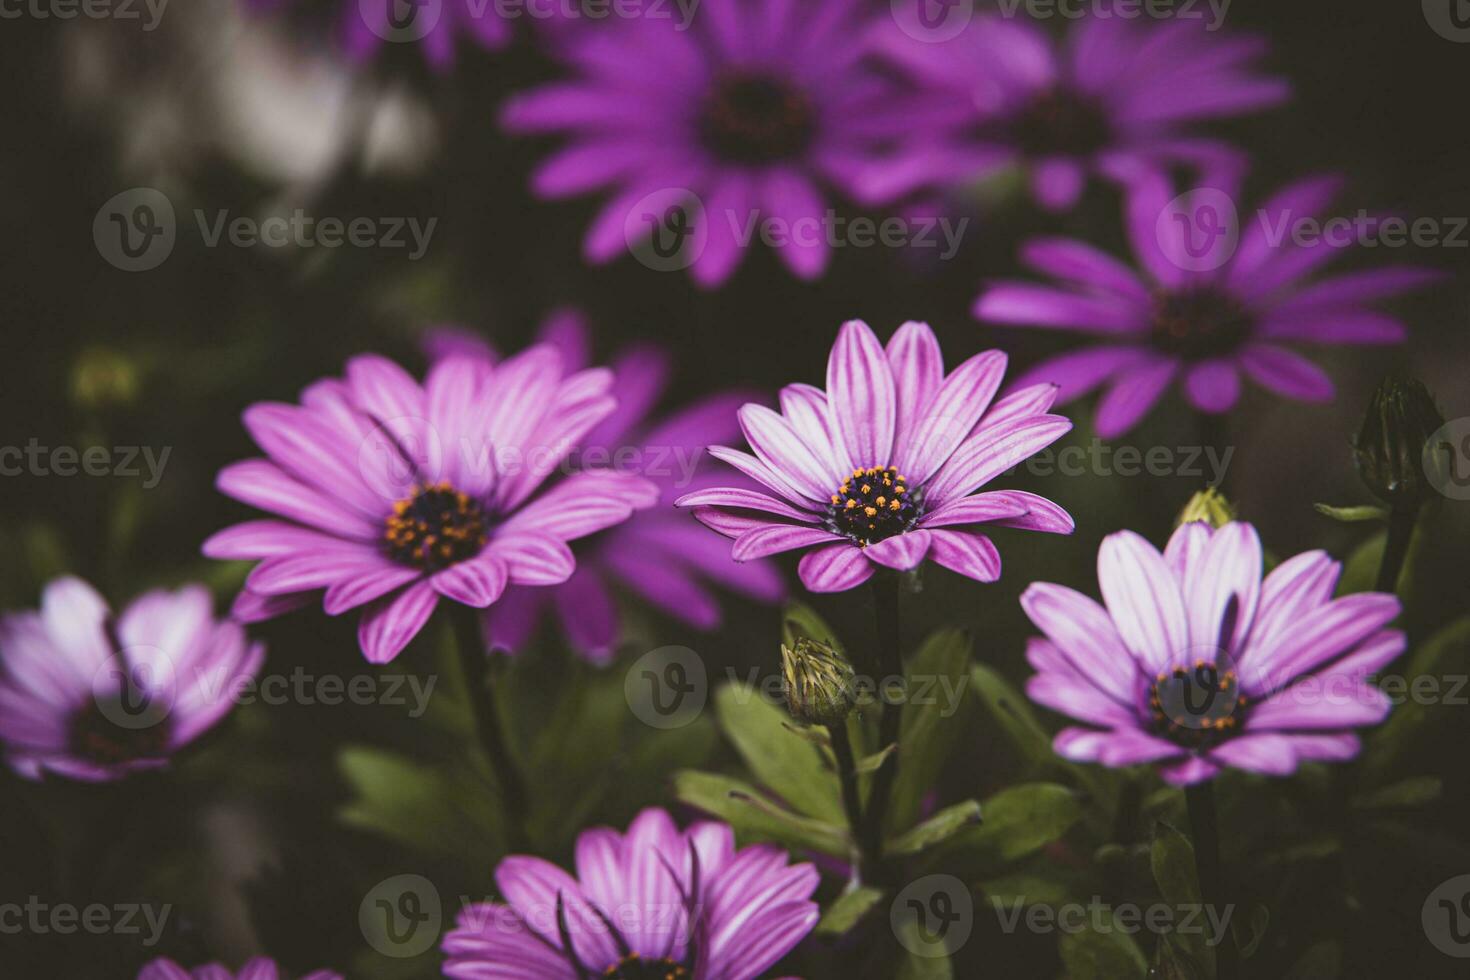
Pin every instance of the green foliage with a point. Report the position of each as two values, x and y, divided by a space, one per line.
756 816
1017 822
933 718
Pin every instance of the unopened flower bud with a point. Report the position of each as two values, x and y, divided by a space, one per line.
1390 447
819 682
1209 506
104 378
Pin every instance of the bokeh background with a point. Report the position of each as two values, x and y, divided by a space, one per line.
267 836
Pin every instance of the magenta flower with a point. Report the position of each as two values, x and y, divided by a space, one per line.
882 466
257 969
1201 318
434 24
90 696
1196 663
755 109
1115 96
652 903
655 553
389 494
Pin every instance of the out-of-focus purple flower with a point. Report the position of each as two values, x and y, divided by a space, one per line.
1199 307
654 902
1196 663
389 494
755 110
259 968
882 467
1115 96
366 25
655 553
91 696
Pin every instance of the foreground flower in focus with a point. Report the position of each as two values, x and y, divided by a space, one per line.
654 902
879 468
257 969
655 554
1196 663
753 109
90 696
366 27
390 494
1172 319
1116 96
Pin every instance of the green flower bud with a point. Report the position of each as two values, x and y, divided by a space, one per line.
819 683
1209 506
1390 447
104 378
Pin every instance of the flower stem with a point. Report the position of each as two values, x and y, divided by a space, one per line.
1204 823
1401 522
852 801
889 662
474 661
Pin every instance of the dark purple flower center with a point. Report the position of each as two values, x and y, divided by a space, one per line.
873 504
435 527
1199 324
1060 123
1196 706
122 729
755 119
635 967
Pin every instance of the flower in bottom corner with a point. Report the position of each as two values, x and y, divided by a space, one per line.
1195 662
257 969
654 902
92 696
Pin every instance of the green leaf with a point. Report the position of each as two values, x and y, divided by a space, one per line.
916 967
1257 921
1353 515
1171 857
778 758
433 808
1018 821
1014 715
1416 792
1360 571
850 907
1170 964
1443 656
801 620
1110 955
871 763
1026 888
755 816
937 829
1321 962
932 721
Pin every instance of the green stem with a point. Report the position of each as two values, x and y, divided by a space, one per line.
1204 822
889 663
1401 522
852 801
474 661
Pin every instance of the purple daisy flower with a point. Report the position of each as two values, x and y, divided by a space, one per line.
259 968
93 696
655 553
1197 663
882 466
654 902
389 494
1114 96
434 24
754 110
1200 320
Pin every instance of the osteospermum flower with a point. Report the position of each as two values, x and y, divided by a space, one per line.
754 109
654 903
93 696
389 494
1196 663
1116 95
882 467
655 554
1171 318
435 25
257 969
